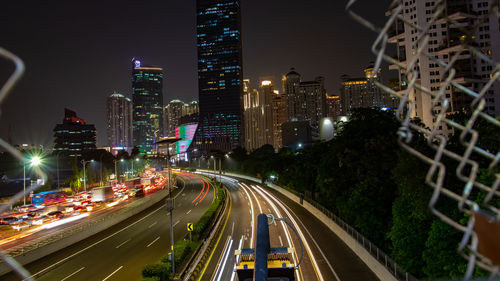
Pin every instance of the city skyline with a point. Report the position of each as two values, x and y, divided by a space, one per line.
100 51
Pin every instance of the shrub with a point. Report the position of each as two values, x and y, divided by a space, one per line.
159 270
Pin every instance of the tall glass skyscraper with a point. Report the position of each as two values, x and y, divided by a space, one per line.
220 75
147 99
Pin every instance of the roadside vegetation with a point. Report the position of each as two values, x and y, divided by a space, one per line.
185 248
369 181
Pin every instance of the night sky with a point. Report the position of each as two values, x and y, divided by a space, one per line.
78 52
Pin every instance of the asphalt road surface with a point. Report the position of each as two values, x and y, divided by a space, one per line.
325 256
120 252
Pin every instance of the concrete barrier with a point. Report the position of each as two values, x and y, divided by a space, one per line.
48 245
376 267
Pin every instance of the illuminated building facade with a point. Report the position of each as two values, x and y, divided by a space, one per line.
279 117
119 115
258 114
74 137
147 99
334 106
178 113
305 100
220 79
363 92
445 42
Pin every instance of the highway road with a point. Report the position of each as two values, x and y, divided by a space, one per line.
326 257
120 252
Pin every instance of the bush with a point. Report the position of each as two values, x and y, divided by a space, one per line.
151 279
159 270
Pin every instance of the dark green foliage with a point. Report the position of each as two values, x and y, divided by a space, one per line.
151 279
160 270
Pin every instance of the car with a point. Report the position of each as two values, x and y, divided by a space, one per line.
7 220
39 220
20 225
56 214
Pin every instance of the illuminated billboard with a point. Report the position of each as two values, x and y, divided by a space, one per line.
186 133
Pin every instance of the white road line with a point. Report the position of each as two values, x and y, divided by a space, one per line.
153 242
236 260
104 239
72 274
253 194
188 212
121 244
176 223
232 229
224 258
281 241
306 244
251 213
112 273
152 224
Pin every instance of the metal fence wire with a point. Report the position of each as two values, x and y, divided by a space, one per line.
480 243
4 92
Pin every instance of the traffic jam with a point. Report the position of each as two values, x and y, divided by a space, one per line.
51 209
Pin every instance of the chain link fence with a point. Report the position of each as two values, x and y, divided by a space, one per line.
480 229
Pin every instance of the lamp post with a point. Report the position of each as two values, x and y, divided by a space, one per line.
84 174
170 202
35 161
137 160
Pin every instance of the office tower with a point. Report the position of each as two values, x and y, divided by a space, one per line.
305 100
147 99
219 74
445 39
191 108
266 88
119 113
174 113
74 137
334 106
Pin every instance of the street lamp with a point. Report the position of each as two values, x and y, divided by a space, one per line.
35 161
84 174
170 202
137 160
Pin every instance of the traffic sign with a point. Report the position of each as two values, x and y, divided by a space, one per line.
190 227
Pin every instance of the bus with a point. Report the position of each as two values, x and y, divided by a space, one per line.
48 197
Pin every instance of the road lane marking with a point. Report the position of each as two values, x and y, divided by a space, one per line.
104 239
306 244
153 242
72 274
281 241
232 229
188 212
121 244
176 223
225 256
153 224
112 273
251 213
236 260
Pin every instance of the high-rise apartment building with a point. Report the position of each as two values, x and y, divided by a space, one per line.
279 117
363 92
334 106
305 100
74 137
219 74
258 114
445 39
119 115
147 99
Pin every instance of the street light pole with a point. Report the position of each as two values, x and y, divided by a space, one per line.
84 174
170 202
24 182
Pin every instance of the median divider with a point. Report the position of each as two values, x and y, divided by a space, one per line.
191 255
49 244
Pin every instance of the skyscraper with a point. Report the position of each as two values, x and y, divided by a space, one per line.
119 113
174 113
219 74
147 99
445 43
74 137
